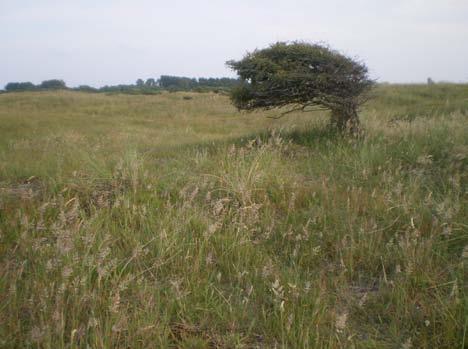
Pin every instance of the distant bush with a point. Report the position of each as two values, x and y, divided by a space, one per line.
54 84
151 83
177 82
150 91
85 88
217 83
19 86
181 83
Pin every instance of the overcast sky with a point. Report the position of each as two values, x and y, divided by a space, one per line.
100 42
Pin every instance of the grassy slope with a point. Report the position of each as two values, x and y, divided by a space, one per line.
154 221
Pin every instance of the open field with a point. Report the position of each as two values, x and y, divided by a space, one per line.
163 222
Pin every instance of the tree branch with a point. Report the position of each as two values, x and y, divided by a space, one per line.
298 108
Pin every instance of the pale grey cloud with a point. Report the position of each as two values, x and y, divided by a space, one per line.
117 41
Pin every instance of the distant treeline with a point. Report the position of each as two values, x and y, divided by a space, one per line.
29 86
151 85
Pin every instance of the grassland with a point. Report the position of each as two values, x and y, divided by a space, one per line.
164 222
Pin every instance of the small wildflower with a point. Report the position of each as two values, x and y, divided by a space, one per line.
408 344
446 231
363 300
282 306
465 252
307 286
212 228
454 291
209 259
290 322
424 160
67 271
92 322
37 334
114 308
340 322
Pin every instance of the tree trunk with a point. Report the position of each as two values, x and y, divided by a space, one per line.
345 119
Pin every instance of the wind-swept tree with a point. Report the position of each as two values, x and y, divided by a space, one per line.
304 77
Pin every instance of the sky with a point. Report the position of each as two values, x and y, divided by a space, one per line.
107 42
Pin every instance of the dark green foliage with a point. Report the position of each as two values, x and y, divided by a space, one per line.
19 86
302 75
53 84
177 82
150 86
172 84
130 89
218 82
151 83
117 88
180 83
86 88
29 86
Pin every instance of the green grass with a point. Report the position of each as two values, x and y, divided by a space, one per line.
159 222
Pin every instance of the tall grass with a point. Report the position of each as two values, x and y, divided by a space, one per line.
161 222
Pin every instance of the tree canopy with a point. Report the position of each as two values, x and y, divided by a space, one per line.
19 86
53 84
303 76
